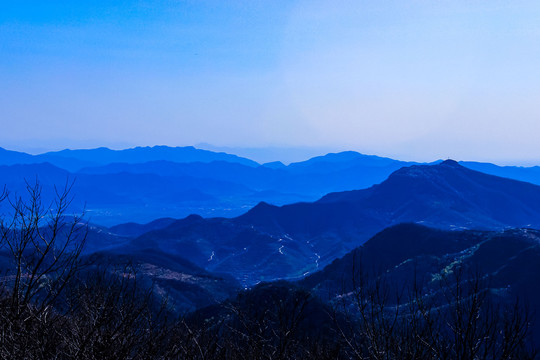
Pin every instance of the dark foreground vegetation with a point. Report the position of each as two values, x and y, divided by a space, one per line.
57 304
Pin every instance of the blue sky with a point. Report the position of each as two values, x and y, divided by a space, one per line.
410 79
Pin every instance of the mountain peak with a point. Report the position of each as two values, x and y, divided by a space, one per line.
261 210
193 217
450 162
428 171
263 205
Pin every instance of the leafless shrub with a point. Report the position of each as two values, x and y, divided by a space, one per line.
53 305
41 248
461 319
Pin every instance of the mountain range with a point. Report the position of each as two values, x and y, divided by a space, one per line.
74 160
287 242
326 216
310 223
144 184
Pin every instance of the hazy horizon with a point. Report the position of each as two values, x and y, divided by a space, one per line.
413 81
286 155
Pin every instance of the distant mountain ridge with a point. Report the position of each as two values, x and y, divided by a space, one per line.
74 160
147 183
77 159
185 154
121 192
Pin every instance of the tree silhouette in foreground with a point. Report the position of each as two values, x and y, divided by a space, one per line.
459 318
56 304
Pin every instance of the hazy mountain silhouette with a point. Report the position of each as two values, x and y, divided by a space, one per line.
155 153
141 192
347 168
257 178
121 192
74 160
8 157
312 178
529 174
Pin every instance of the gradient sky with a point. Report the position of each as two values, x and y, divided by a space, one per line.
415 80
